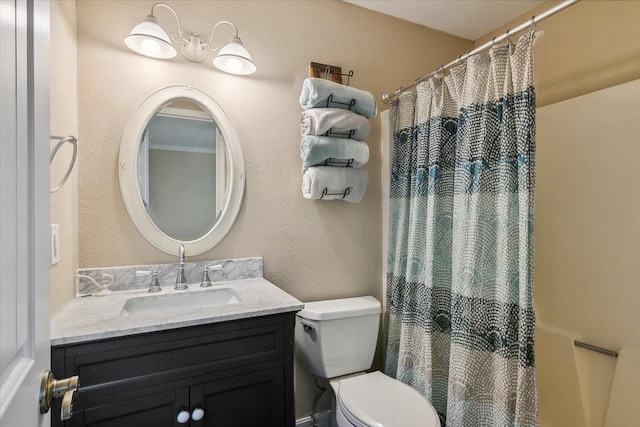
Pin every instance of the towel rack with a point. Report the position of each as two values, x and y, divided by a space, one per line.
344 193
61 141
595 348
348 135
331 101
338 162
329 72
333 73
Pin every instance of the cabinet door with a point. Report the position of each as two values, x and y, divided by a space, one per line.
255 399
145 407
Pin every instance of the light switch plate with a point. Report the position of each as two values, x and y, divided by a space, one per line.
55 243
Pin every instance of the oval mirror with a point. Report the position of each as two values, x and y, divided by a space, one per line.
181 170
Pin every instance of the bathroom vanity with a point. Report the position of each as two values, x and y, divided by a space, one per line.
227 365
215 356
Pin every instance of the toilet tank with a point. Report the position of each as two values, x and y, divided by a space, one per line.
337 337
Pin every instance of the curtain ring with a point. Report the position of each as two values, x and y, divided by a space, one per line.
533 21
510 42
493 41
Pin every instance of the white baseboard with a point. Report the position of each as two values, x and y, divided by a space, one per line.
323 419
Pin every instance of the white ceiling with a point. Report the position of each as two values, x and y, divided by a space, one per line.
469 19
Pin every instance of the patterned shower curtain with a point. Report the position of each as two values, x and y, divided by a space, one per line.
459 291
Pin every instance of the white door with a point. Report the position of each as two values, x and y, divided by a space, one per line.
24 209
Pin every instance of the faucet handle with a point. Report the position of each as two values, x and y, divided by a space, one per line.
154 286
206 281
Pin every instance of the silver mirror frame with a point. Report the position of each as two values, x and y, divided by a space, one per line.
128 171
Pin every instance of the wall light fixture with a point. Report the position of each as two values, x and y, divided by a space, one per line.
150 39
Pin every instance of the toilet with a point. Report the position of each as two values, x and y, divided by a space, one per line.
336 340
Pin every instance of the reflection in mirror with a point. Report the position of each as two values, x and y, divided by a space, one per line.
181 170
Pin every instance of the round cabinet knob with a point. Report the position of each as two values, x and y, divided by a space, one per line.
197 414
183 417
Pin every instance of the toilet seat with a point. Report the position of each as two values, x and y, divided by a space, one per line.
376 400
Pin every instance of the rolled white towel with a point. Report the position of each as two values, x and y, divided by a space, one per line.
328 183
318 121
316 92
316 150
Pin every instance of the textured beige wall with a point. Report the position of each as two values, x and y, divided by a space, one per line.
313 250
64 121
587 47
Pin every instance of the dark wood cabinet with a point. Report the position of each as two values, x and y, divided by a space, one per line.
251 399
144 407
236 373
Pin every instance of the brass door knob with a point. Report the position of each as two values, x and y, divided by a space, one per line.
50 389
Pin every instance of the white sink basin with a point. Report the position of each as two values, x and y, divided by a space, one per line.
181 300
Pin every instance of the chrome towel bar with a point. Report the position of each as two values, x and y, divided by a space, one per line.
61 140
595 348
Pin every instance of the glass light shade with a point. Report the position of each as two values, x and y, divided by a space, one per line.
149 39
234 59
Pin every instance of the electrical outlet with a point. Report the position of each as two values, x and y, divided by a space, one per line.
55 243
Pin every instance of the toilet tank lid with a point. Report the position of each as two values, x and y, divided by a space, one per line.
340 308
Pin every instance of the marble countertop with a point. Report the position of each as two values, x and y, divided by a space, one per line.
98 317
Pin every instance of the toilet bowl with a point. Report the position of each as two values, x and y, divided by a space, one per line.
376 400
336 340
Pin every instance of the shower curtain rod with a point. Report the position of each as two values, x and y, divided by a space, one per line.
387 99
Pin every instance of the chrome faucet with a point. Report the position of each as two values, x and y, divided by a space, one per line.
181 281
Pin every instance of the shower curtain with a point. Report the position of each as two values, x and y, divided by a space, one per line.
460 266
